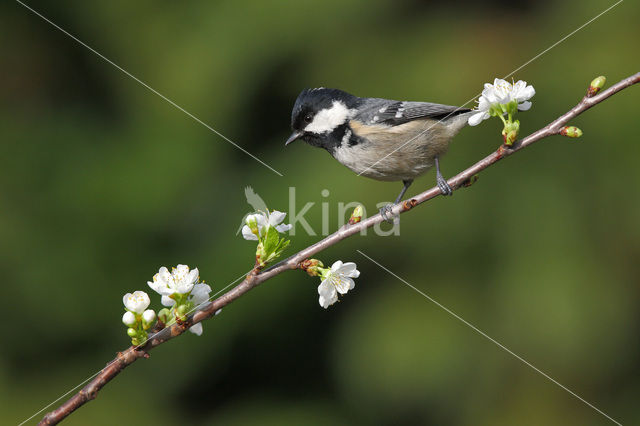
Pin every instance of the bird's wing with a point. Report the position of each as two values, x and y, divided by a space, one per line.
394 113
255 200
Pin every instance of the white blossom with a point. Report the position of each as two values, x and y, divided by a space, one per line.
198 296
261 221
136 302
129 319
339 279
501 92
181 280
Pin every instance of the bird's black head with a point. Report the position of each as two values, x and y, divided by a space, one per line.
319 116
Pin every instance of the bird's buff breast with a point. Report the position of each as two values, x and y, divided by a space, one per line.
395 153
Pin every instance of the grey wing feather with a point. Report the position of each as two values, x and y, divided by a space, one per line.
394 113
255 200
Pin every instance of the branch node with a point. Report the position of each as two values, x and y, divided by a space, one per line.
468 182
502 151
409 204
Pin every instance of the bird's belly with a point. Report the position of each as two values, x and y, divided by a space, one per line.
397 153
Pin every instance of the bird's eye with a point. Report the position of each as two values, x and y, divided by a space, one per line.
308 118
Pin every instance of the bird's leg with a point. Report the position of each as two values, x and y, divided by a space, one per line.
386 210
441 181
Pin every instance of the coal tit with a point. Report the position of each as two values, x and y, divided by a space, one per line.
378 138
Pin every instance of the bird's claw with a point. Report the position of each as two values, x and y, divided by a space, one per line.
387 213
445 189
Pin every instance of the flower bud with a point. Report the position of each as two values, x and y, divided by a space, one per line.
510 132
182 311
356 216
148 317
313 267
571 132
164 315
596 85
132 332
129 319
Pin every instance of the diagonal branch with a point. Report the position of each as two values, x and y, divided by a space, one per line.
256 277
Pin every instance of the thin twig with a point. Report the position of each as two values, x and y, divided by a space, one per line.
130 355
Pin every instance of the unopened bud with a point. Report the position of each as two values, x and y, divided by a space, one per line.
571 132
148 317
164 315
311 266
182 311
510 132
129 319
356 216
131 332
596 85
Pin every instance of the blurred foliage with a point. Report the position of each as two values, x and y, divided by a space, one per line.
103 182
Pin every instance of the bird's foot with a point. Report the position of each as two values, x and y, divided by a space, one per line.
443 185
387 213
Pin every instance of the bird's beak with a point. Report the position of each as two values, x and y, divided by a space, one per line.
293 137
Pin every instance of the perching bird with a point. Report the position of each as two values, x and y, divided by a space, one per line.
378 138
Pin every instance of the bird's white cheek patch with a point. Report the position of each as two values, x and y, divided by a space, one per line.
326 120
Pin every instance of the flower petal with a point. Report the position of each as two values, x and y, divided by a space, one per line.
196 329
326 289
276 217
125 300
200 293
247 234
349 269
163 275
524 106
478 118
193 276
344 284
326 302
167 301
336 266
283 228
327 294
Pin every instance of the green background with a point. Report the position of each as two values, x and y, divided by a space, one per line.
102 182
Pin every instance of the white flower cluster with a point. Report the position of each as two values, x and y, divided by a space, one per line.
181 286
501 92
181 291
137 303
262 221
137 317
